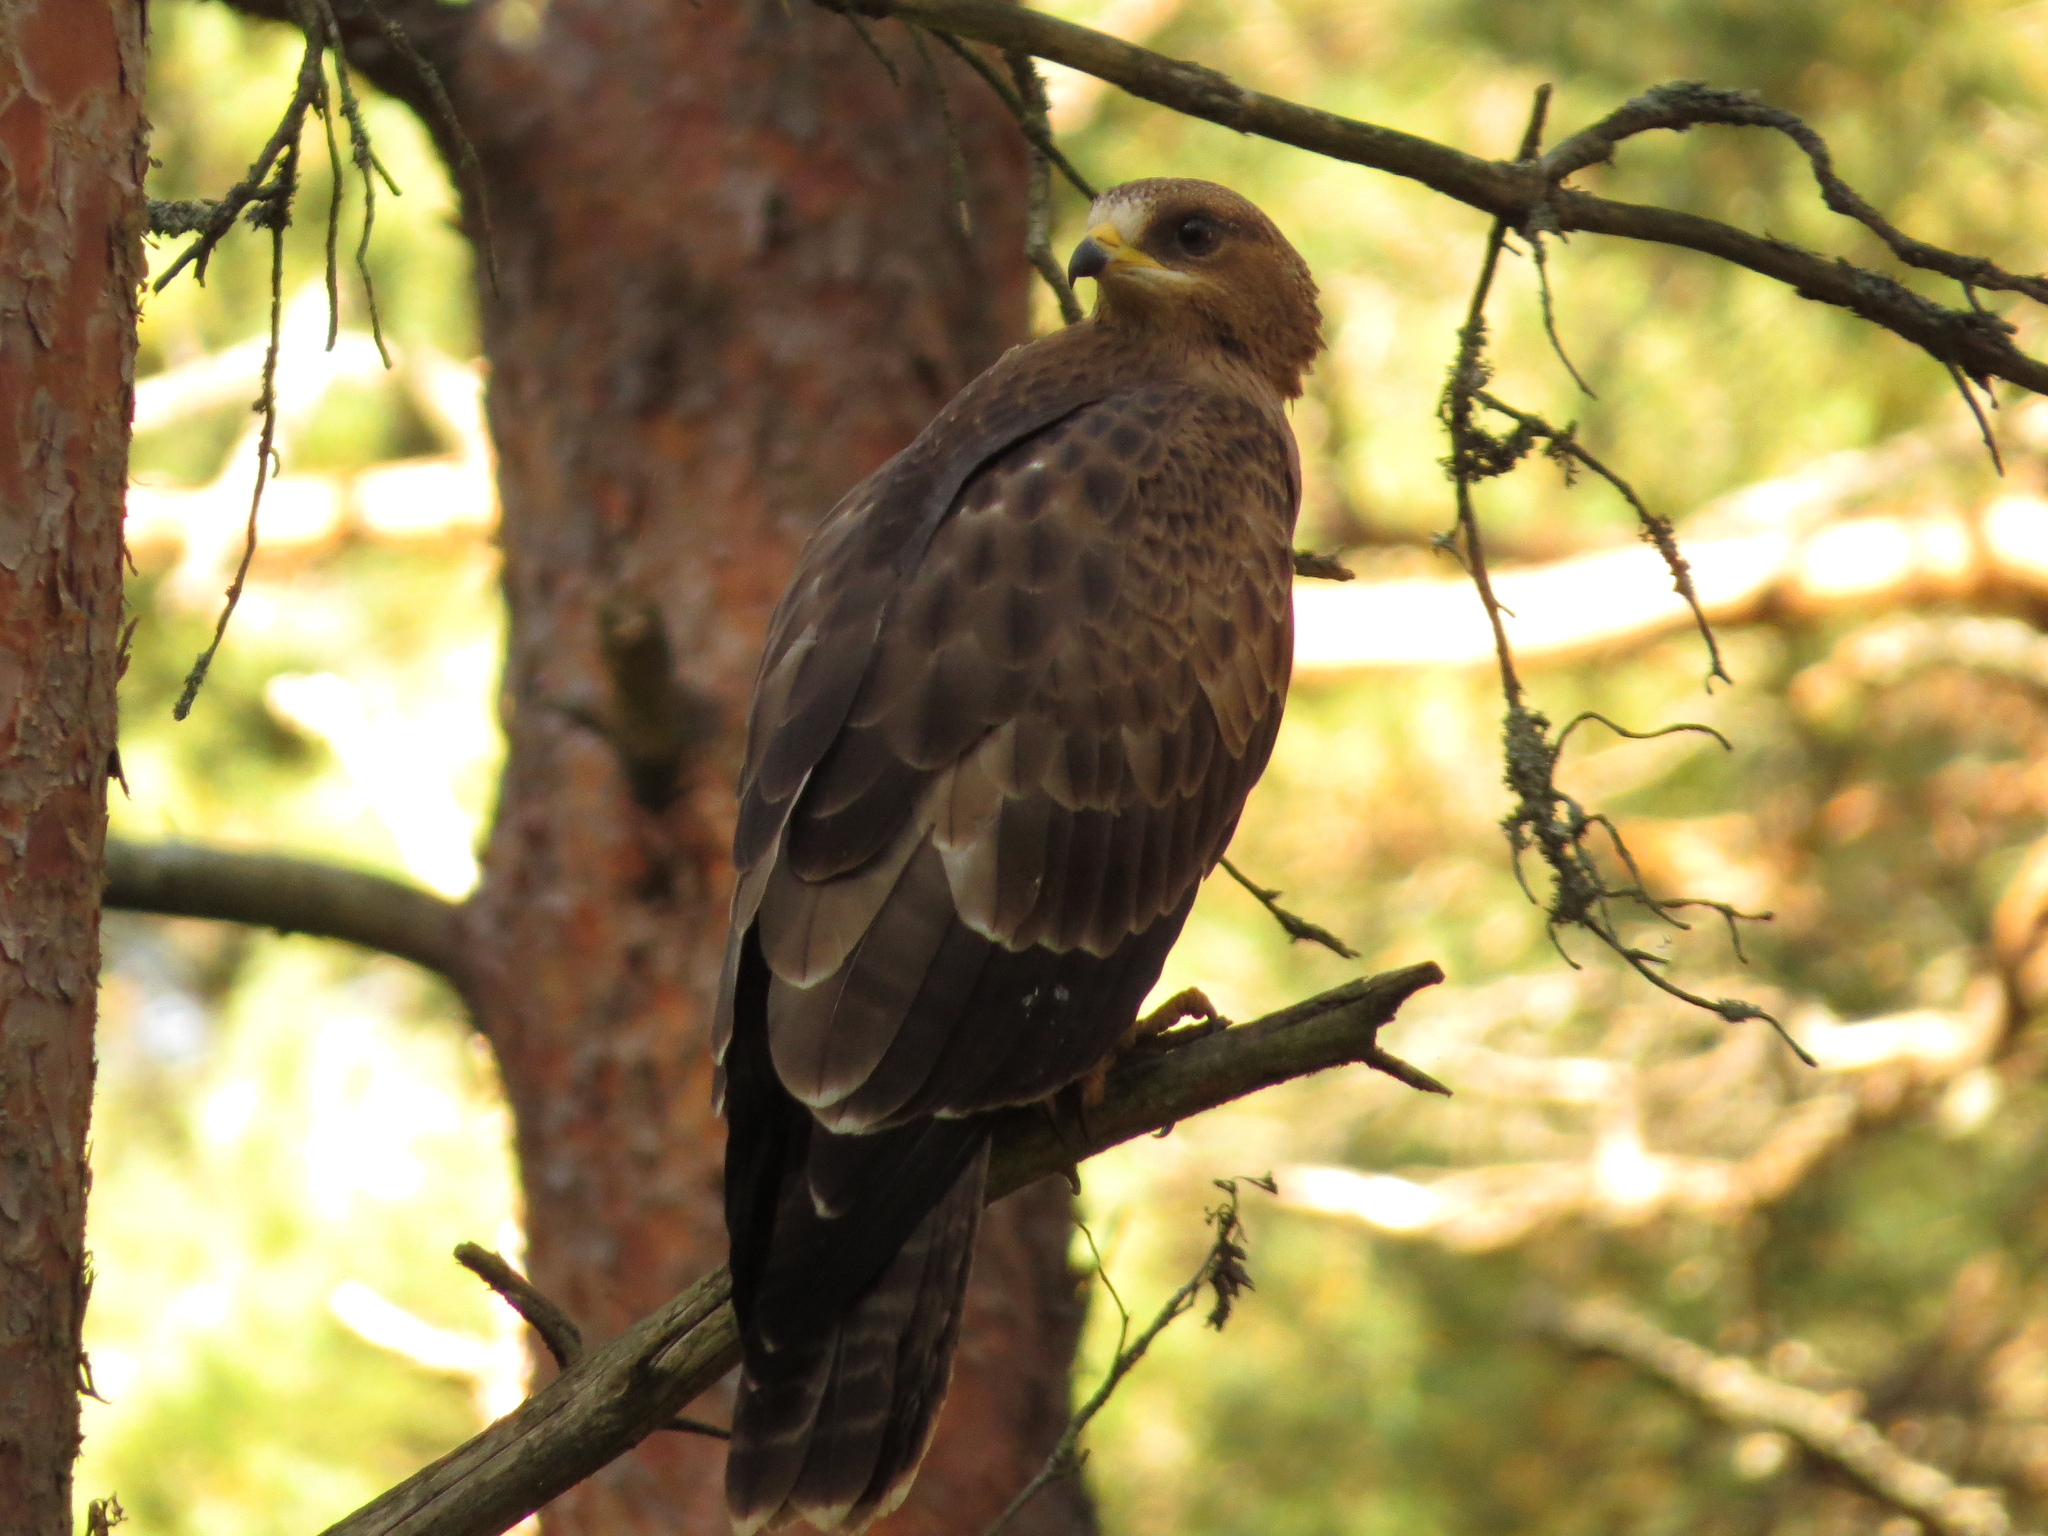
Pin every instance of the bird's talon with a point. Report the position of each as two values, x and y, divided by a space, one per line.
1188 1003
1096 1083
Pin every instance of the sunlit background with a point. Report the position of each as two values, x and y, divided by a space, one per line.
290 1136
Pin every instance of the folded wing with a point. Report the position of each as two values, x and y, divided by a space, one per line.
995 751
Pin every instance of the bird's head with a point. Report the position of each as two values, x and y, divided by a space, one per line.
1193 263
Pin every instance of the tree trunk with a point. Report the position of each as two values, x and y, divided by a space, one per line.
72 149
731 279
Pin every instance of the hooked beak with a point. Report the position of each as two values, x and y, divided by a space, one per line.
1090 259
1102 250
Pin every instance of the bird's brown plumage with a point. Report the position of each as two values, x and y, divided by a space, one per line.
1010 707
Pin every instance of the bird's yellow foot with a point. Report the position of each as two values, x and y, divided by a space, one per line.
1188 1003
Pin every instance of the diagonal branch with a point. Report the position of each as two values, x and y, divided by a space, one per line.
1295 926
1526 196
1733 1389
1688 103
618 1394
293 896
1222 1268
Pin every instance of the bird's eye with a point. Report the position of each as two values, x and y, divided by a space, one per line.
1198 234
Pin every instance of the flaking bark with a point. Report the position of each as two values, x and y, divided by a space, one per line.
72 146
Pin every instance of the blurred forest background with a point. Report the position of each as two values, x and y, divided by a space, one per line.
290 1135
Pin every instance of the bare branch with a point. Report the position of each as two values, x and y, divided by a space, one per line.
1737 1391
1028 110
1689 103
371 169
1977 415
292 896
620 1393
874 48
1535 237
266 194
1293 925
1656 528
1544 817
276 206
956 158
1222 1269
1527 196
1033 111
564 1340
408 49
1315 567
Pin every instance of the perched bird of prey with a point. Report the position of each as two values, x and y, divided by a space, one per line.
1010 708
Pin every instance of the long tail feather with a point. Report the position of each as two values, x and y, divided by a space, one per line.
832 1431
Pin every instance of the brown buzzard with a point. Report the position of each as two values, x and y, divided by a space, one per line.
1011 704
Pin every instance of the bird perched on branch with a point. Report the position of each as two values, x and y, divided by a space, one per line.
1011 705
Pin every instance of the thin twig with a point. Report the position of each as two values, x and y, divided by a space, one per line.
956 157
564 1340
1688 103
277 212
1295 926
331 268
369 167
888 64
1101 1272
466 161
1545 817
1474 454
267 194
1222 1269
255 190
1683 727
682 1423
1657 531
1969 395
1027 110
1038 208
1535 239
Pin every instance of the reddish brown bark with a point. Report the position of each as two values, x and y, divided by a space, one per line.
730 282
71 160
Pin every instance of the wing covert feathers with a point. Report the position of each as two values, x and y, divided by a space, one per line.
1051 730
